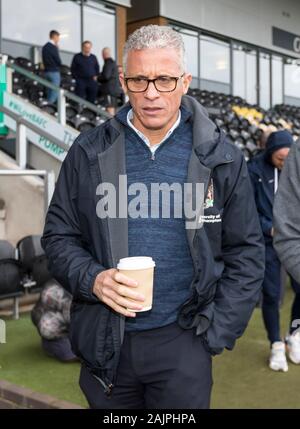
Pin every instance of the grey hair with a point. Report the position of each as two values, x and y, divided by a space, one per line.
155 36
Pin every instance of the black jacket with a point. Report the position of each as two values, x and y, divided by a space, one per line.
262 174
51 58
228 254
84 67
109 79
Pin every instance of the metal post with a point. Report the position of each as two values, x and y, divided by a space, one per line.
16 308
49 189
21 146
231 67
81 22
61 103
35 55
258 77
9 79
3 80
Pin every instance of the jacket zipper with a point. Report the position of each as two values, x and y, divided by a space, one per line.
107 386
159 147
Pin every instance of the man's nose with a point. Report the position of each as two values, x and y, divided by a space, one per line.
151 91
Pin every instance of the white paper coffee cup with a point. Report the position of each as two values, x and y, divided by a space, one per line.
141 269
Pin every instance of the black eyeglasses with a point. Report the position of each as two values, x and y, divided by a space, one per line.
161 83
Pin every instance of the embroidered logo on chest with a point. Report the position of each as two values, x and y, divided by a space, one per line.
209 201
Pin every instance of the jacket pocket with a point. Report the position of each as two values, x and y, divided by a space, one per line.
193 315
91 334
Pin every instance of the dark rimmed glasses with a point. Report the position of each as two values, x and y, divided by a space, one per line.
161 83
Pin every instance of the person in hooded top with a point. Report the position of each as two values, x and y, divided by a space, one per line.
265 170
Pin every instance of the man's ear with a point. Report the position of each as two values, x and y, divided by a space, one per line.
186 81
122 81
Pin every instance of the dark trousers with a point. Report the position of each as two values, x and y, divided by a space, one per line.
271 296
87 89
160 368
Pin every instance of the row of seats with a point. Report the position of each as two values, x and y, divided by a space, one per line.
245 123
77 117
22 268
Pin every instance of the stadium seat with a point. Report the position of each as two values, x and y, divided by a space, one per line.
10 275
25 63
34 263
71 111
50 108
89 114
85 126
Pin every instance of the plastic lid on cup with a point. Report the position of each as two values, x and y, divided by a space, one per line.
136 263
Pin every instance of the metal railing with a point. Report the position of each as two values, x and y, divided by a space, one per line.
63 94
21 137
21 154
49 177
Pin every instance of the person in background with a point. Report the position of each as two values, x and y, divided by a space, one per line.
123 98
287 236
85 69
52 63
265 171
266 131
109 79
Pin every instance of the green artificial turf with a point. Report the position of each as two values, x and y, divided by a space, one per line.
23 362
242 378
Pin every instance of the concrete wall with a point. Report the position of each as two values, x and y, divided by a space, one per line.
24 203
246 20
41 160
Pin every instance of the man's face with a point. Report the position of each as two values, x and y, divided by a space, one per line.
105 54
87 48
56 39
279 156
155 110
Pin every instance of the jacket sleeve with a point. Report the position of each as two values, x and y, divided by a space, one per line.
107 72
97 68
287 214
69 262
74 67
265 222
239 288
57 58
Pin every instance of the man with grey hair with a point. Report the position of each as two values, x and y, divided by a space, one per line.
109 79
207 278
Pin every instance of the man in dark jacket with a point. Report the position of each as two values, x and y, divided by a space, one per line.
52 63
209 263
109 79
287 236
265 171
85 69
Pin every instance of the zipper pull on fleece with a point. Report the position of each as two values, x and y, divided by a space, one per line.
108 389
